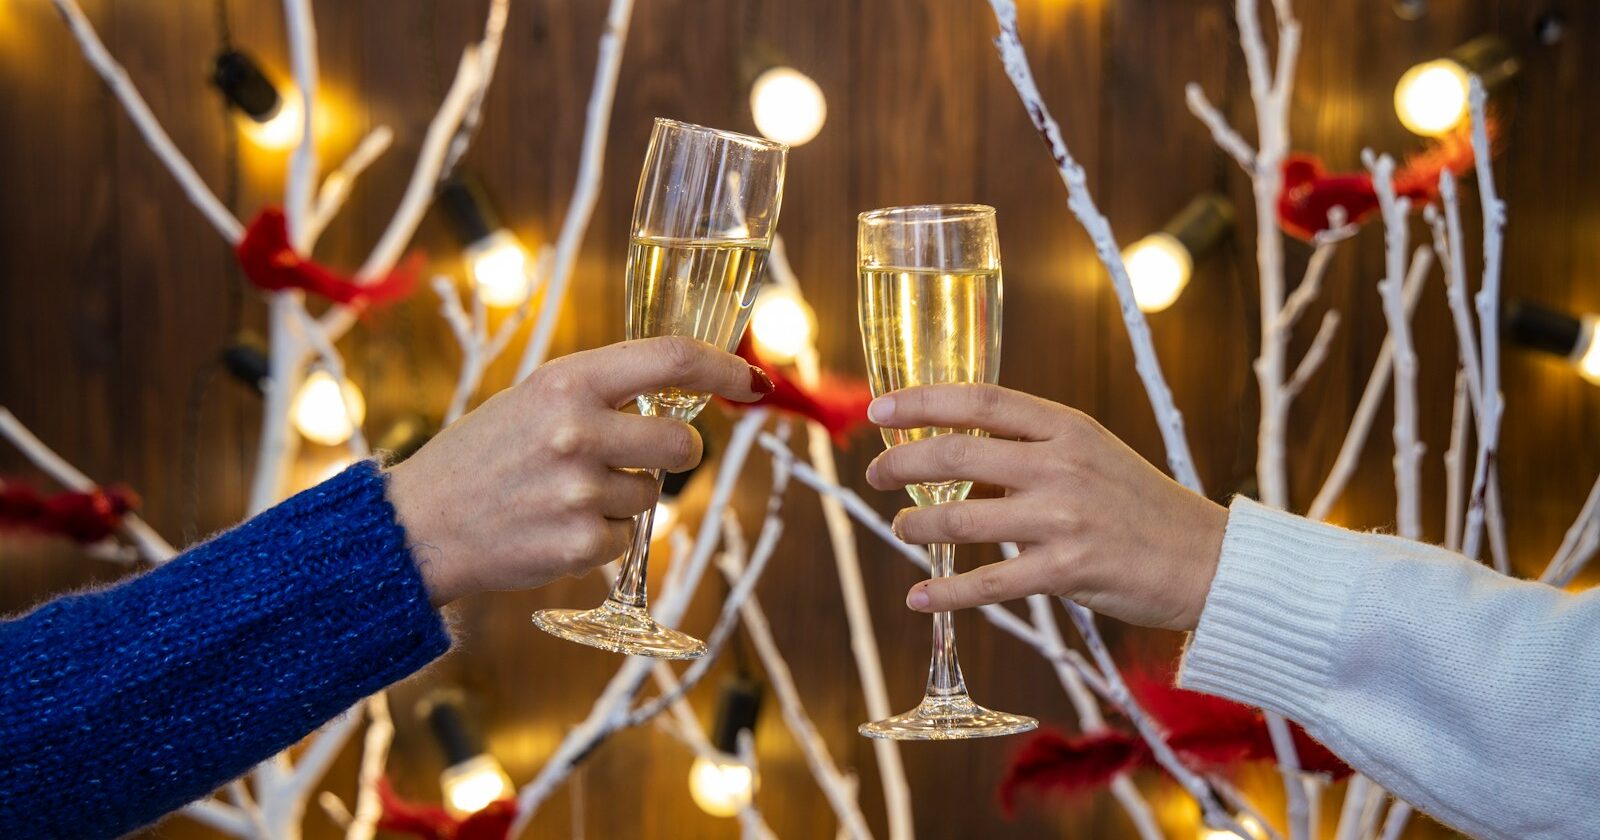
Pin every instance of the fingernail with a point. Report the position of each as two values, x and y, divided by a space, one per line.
894 526
918 599
881 410
760 382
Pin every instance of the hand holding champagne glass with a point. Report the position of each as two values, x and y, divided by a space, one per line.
703 222
930 314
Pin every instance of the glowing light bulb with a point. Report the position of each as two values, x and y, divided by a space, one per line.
721 786
320 412
1251 825
499 266
665 517
1159 267
282 127
474 784
788 106
1587 354
781 324
1431 98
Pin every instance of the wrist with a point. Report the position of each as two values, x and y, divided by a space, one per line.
422 521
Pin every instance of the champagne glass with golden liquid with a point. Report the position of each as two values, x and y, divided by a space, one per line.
930 313
703 222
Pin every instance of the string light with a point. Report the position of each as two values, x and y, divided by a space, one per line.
472 779
781 323
1160 265
1575 339
245 359
722 785
326 413
788 106
1431 97
496 260
1251 825
270 118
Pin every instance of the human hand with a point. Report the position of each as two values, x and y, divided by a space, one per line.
1095 522
540 480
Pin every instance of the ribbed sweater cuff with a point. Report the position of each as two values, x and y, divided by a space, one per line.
1264 637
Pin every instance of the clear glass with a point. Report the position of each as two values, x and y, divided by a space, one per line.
929 303
703 222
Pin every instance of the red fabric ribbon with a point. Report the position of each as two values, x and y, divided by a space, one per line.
431 822
1206 731
271 264
839 404
1310 190
81 517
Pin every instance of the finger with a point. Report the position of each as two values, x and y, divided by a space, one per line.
953 458
999 411
618 535
964 523
626 494
657 443
620 372
1006 580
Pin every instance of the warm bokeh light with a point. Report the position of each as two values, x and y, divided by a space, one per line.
1431 98
1159 267
499 266
721 787
1587 354
788 106
781 324
665 517
280 129
322 415
1248 823
473 784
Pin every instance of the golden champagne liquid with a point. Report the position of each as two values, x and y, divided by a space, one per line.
699 289
929 327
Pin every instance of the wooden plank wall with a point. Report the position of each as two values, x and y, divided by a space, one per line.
115 295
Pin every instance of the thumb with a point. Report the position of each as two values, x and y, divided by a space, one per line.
620 372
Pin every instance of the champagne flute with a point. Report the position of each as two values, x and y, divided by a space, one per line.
930 313
702 226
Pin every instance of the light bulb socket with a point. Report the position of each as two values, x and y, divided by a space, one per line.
445 711
1490 58
244 85
1204 222
468 209
737 709
1540 328
246 360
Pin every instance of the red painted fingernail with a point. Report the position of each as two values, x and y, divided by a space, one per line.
760 382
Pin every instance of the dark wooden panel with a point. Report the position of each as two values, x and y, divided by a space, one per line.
116 294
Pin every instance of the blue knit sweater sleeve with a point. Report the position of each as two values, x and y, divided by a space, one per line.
121 705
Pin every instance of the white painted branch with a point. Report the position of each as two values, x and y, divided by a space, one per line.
320 753
302 32
334 808
374 753
847 561
1315 355
1455 463
494 30
586 188
1408 451
1299 300
838 788
149 127
1081 203
1488 304
222 817
1355 438
277 443
150 544
751 825
1569 559
1225 135
337 186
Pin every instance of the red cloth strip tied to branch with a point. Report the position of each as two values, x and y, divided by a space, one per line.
1205 731
839 404
271 264
1310 190
84 518
431 822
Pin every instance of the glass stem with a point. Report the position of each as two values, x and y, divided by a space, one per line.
629 589
944 674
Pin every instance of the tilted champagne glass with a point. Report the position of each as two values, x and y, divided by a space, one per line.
930 313
703 222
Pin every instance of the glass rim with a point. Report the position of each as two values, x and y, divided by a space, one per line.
927 213
758 143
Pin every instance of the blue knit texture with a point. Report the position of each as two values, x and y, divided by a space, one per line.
121 705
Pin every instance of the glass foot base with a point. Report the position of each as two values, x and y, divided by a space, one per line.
948 719
620 629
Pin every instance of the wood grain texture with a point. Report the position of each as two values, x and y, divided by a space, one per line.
116 295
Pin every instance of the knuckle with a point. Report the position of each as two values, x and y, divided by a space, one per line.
581 495
959 523
586 543
569 438
954 453
554 381
987 400
989 586
678 355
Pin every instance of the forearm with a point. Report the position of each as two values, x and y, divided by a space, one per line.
1470 695
124 704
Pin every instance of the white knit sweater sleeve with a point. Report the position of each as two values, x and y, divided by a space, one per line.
1472 696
